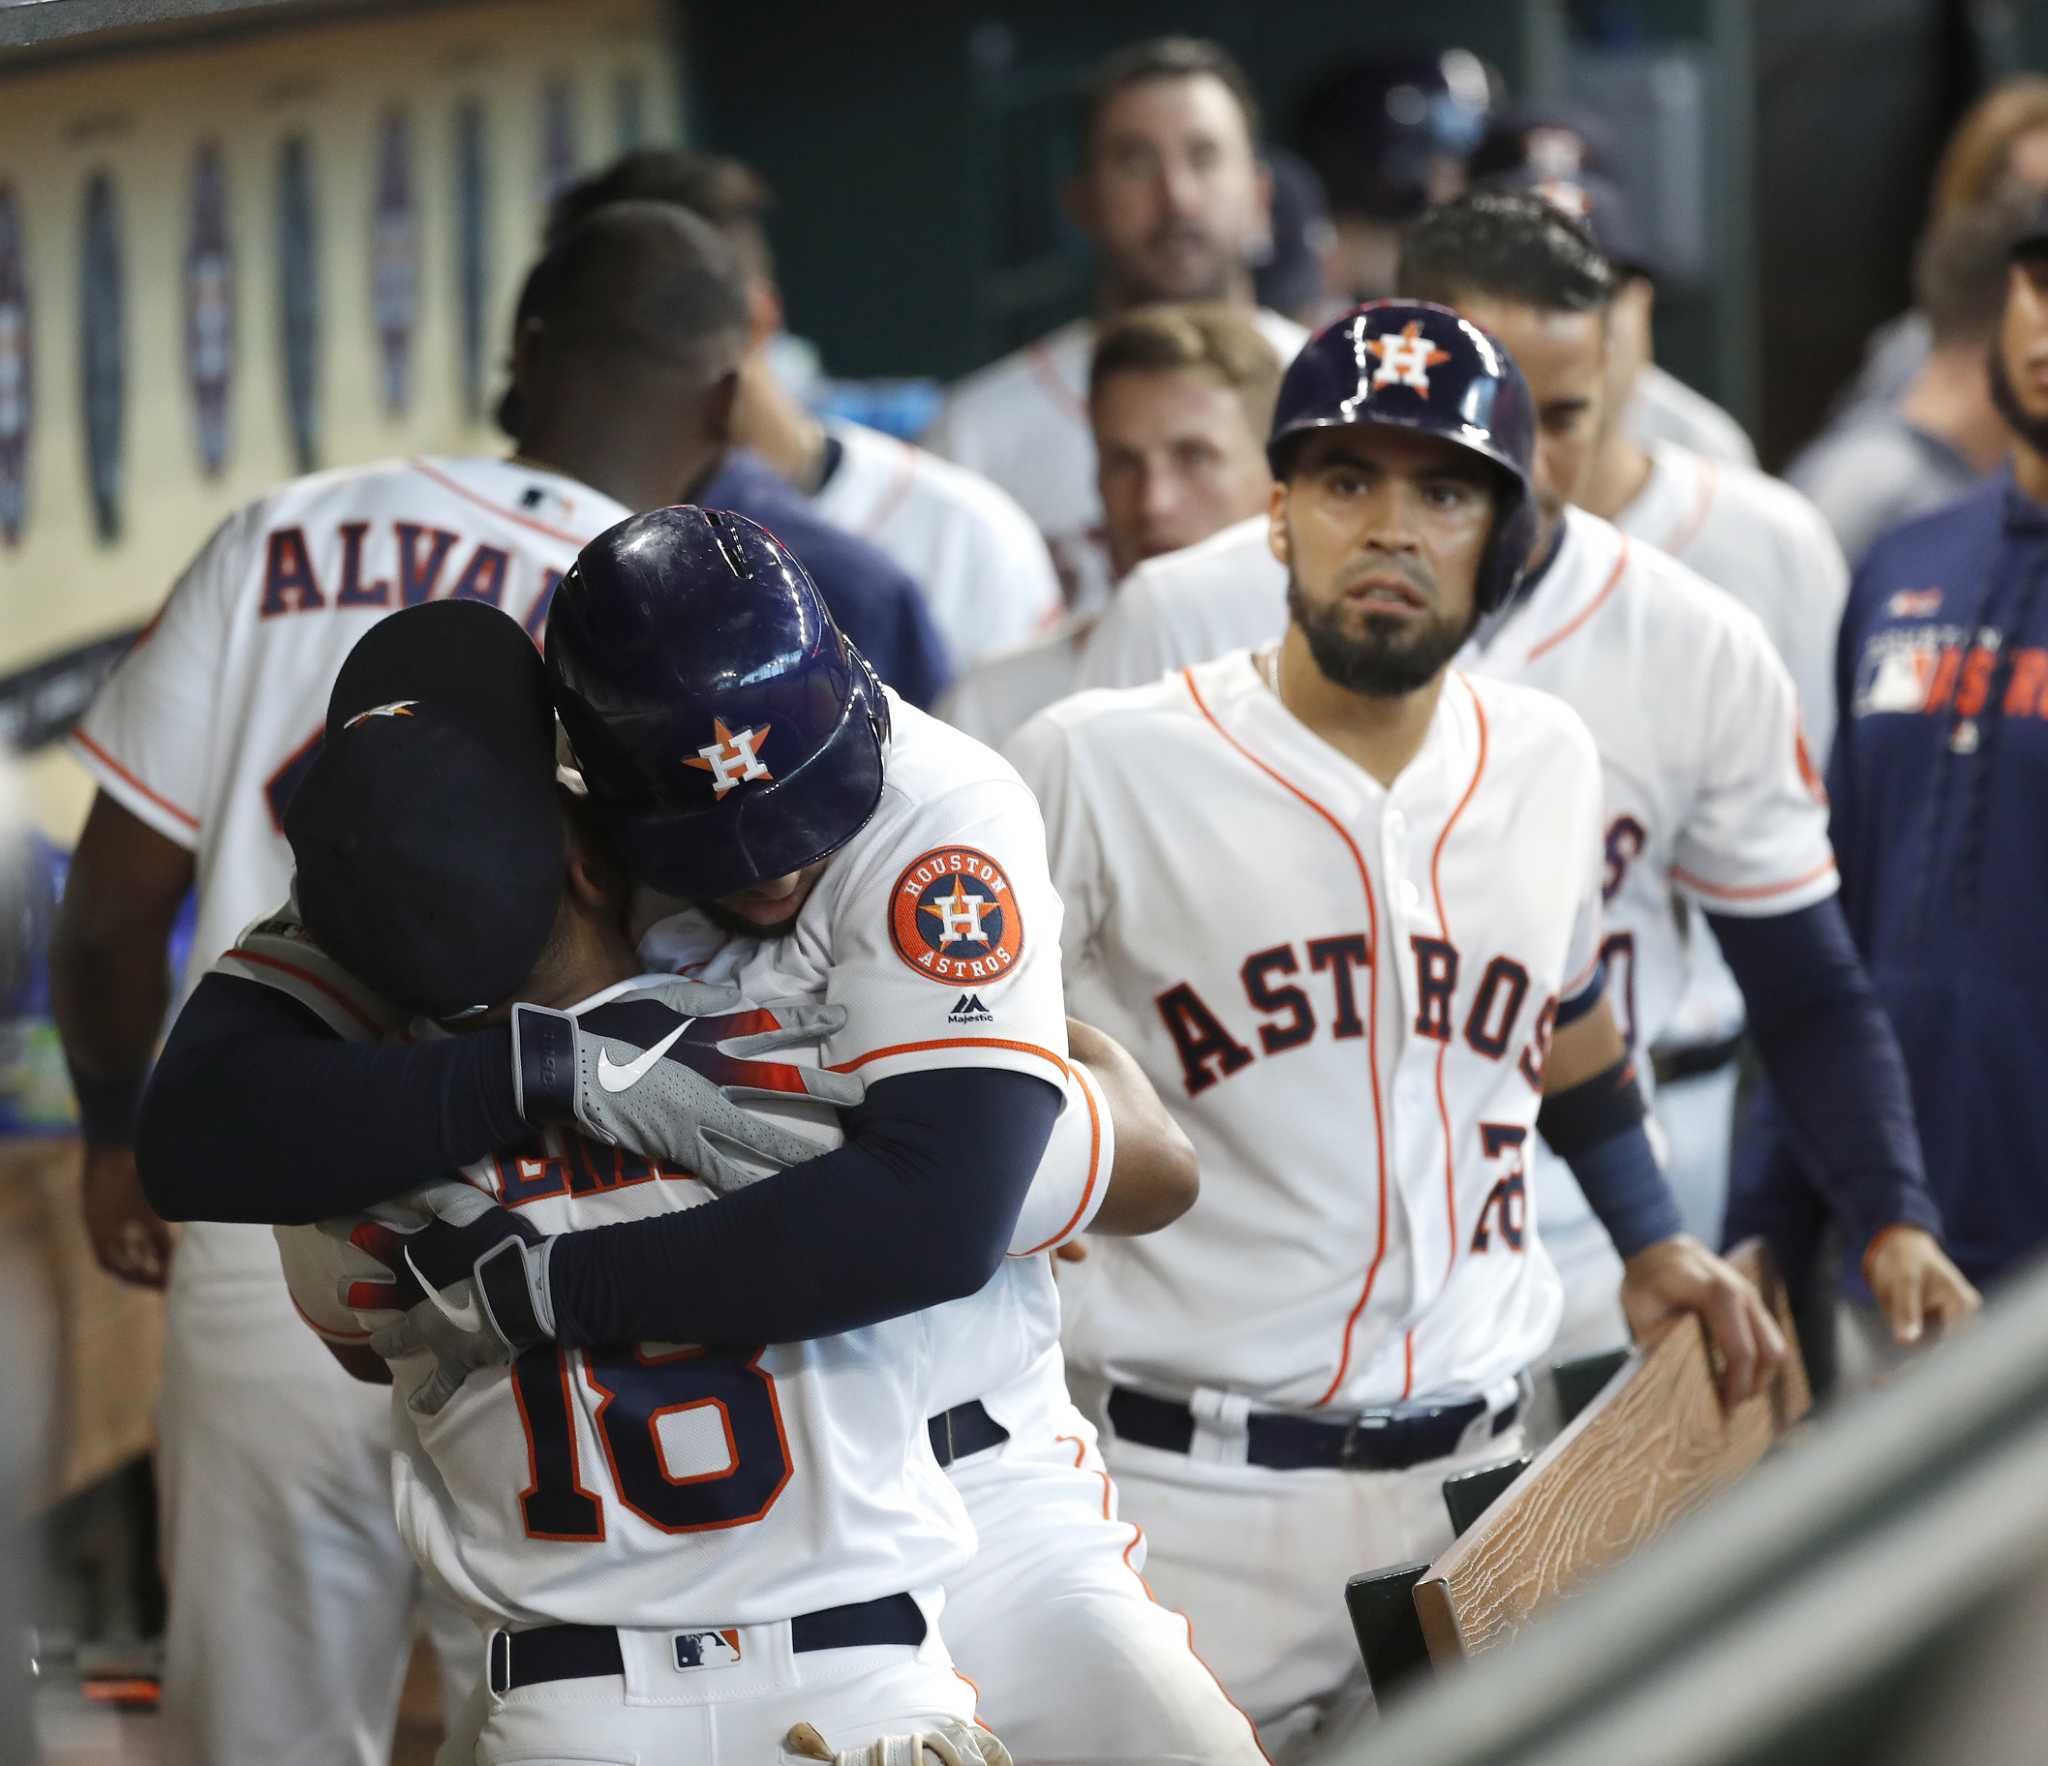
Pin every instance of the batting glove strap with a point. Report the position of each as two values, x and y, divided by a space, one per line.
512 1281
544 1076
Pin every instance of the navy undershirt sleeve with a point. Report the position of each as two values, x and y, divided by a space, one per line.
258 1112
914 1210
1834 1065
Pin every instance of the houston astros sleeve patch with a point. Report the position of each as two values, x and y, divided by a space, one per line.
954 918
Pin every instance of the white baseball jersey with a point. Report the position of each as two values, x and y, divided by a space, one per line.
1666 409
999 693
987 577
1349 989
209 721
937 928
1023 421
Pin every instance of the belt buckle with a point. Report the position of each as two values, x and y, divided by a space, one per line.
1368 1420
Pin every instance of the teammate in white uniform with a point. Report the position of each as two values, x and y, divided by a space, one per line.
1711 799
1179 402
982 564
1173 200
274 1476
1363 984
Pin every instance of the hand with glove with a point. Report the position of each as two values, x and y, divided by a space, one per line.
667 1069
951 1744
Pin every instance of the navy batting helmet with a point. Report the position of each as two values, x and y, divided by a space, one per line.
728 731
1409 365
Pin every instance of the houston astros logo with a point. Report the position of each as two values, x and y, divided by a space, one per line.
397 708
1406 357
732 759
952 917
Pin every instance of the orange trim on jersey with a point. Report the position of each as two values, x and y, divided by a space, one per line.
1582 980
885 506
1585 613
1058 390
971 1687
1137 1538
1407 1366
579 541
241 954
951 1042
1688 530
1436 886
328 1332
127 778
1759 891
1372 1013
1094 1171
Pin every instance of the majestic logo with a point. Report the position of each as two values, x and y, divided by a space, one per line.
1406 357
968 1009
732 759
954 918
397 708
1914 603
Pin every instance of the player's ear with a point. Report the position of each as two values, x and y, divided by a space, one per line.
719 403
1277 539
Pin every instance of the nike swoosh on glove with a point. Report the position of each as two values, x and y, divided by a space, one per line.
481 1274
951 1744
652 1071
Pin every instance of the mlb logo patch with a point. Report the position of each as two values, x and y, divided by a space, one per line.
1914 603
707 1649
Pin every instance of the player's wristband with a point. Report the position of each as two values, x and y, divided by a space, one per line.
1627 1190
544 1064
108 1108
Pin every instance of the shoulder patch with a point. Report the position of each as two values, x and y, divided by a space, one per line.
954 918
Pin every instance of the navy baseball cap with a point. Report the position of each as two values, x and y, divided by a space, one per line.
428 833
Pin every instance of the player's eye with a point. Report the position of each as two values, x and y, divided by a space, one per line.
1447 493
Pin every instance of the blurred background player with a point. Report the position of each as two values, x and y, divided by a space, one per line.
1934 792
1885 462
1359 1048
987 578
1172 197
274 1469
1179 402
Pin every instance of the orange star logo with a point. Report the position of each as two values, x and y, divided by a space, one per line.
732 759
1406 357
959 916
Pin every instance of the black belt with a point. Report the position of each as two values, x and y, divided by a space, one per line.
1695 1060
576 1652
1374 1443
966 1428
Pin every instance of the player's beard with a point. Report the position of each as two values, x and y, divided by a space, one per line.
1140 283
2030 429
1385 658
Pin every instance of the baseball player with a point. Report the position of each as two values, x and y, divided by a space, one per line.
1179 402
982 565
896 867
676 1553
1371 993
1171 196
1711 799
273 1472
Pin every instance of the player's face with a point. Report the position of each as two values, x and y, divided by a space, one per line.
2020 365
767 909
1382 533
1564 357
1175 460
1172 195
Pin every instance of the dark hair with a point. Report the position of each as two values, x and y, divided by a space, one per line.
1508 245
731 196
1164 58
1959 269
1205 337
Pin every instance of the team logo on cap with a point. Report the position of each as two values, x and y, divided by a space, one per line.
733 758
397 708
953 917
1406 357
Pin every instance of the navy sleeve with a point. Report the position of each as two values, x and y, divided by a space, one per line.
914 1210
258 1112
1836 1072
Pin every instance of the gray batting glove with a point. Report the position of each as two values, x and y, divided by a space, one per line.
666 1070
483 1273
951 1744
